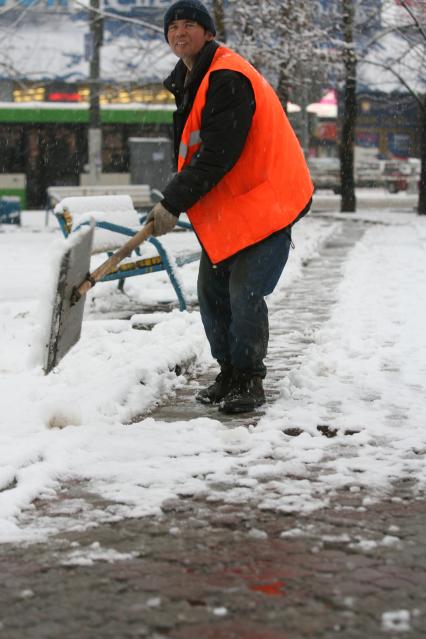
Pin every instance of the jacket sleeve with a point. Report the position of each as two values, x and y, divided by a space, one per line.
225 123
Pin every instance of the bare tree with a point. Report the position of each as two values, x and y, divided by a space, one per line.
421 206
398 52
282 38
347 142
130 49
219 18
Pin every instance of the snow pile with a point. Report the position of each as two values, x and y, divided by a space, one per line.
112 209
94 553
364 376
396 621
113 205
364 373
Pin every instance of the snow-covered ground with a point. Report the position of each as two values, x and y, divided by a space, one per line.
365 369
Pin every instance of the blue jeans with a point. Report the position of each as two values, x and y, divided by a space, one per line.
231 296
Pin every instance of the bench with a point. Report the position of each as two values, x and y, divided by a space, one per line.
141 194
115 219
10 210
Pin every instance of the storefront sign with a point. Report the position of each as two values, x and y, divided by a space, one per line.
399 144
326 131
367 139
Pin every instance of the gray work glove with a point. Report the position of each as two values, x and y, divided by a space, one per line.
163 220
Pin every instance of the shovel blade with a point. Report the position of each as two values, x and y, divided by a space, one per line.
67 317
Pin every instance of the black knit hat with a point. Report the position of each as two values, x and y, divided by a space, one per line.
189 10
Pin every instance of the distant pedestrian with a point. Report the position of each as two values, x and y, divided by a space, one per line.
243 181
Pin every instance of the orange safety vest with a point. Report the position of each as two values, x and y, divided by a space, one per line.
267 188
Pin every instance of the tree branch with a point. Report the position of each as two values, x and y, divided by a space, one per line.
399 77
115 16
414 18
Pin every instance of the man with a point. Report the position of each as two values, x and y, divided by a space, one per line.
243 181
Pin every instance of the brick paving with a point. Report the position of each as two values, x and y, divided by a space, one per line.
206 569
217 570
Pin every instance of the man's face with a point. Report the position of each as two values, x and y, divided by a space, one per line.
187 38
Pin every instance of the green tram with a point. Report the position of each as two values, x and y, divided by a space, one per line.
44 144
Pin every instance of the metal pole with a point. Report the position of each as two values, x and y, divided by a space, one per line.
95 134
304 134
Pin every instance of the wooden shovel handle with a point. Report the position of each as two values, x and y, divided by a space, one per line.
115 259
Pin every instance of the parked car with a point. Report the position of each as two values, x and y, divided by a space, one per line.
325 173
394 175
369 173
401 175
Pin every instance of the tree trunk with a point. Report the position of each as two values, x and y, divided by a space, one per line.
219 18
421 208
95 131
283 87
347 143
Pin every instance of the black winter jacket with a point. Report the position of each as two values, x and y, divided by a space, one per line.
226 121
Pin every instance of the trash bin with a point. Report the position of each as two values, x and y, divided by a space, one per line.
150 161
10 210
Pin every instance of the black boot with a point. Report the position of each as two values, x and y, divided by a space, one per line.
245 395
214 393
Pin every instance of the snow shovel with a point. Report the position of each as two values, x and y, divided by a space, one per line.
74 281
